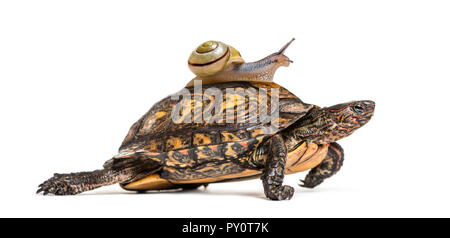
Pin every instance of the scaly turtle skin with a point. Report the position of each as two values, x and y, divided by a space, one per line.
159 153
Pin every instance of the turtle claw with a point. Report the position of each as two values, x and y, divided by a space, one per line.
279 193
310 182
57 185
302 183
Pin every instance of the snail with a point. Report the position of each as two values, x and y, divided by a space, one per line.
214 61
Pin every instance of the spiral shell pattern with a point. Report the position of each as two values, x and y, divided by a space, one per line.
209 58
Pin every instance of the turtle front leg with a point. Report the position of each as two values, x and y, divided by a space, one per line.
327 168
273 173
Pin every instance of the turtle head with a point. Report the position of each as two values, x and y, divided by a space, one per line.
329 124
347 117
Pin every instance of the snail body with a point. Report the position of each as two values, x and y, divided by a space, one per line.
214 62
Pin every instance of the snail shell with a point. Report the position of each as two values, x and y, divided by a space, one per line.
212 57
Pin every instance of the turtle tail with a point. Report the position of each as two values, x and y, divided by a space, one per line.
74 183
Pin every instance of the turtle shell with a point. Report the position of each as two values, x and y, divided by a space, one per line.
217 113
214 137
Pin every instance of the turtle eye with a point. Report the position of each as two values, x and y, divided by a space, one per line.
358 109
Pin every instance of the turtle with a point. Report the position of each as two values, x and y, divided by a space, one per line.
223 127
222 132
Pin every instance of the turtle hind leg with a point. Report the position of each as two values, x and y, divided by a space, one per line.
74 183
273 173
327 168
117 171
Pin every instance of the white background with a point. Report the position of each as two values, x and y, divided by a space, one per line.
75 75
